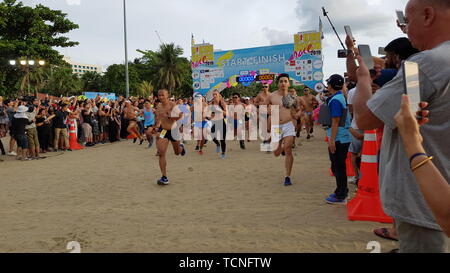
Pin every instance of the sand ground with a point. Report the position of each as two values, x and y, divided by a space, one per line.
106 198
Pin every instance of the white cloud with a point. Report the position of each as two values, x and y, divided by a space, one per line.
73 2
277 37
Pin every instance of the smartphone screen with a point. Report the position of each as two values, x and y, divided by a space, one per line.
401 17
348 31
412 84
366 54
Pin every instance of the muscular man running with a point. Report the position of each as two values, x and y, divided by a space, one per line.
166 116
133 128
310 102
284 133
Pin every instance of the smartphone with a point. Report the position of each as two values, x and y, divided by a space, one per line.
401 17
348 31
366 54
342 54
412 84
381 51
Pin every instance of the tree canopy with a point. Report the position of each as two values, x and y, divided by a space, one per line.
33 33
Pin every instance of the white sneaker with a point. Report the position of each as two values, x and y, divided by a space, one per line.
12 153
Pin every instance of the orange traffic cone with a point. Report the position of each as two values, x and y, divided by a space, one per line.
74 145
366 206
350 170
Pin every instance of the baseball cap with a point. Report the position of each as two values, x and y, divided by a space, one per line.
336 81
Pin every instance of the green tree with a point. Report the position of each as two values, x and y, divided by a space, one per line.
33 33
145 89
115 79
64 83
166 66
93 82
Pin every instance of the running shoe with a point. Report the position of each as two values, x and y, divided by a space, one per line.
163 181
308 137
242 144
336 201
183 151
142 141
217 148
197 148
134 140
200 152
287 181
12 153
222 156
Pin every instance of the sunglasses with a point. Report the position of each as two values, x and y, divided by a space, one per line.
265 87
235 97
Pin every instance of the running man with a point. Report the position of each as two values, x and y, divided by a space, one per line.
133 128
284 133
310 102
165 120
264 114
199 126
149 122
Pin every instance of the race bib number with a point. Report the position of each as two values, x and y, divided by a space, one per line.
163 133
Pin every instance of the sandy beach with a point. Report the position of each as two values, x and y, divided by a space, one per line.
106 198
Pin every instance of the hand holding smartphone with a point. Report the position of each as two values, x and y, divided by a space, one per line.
349 33
412 84
366 54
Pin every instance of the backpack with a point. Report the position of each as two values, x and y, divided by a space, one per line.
325 116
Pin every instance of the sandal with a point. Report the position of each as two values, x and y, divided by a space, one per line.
384 233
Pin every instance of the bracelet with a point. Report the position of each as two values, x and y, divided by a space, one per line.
421 163
414 156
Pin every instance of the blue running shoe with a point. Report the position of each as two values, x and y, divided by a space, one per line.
183 152
222 156
333 195
287 181
218 149
163 181
335 201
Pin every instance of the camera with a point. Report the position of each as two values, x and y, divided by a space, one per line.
344 53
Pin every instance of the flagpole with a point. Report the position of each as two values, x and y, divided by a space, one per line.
127 79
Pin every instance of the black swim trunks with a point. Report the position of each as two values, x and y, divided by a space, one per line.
167 134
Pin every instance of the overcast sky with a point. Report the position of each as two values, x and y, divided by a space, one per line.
228 24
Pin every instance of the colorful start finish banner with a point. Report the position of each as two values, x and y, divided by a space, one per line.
93 95
302 60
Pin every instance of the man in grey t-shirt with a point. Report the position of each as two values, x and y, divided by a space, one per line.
400 194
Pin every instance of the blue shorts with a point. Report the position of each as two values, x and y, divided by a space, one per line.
201 124
22 141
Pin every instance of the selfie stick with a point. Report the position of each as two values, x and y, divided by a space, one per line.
325 13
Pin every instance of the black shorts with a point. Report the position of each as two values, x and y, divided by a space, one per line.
168 135
148 127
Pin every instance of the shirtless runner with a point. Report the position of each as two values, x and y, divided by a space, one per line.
166 116
310 102
264 114
133 128
284 133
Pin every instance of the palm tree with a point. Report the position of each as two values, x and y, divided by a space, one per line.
36 78
145 89
166 65
64 82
